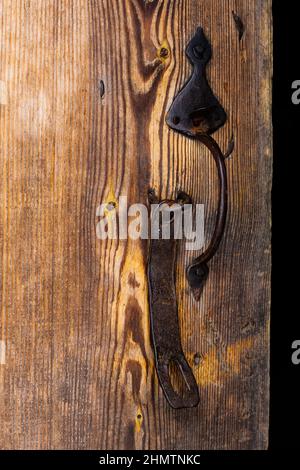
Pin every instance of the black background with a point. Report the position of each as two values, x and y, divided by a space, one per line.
285 314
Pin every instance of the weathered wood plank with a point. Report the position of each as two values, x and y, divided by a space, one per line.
79 369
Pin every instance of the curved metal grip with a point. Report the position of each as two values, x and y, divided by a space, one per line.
197 271
197 113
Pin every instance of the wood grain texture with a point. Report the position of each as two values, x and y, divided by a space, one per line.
79 371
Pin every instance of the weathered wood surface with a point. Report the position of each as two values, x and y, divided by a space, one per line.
79 370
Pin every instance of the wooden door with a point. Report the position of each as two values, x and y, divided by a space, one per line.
84 89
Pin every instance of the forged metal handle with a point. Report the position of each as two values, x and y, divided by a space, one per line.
195 113
197 271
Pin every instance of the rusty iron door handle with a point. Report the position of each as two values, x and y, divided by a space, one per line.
195 113
197 271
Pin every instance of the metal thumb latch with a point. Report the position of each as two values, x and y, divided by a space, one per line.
196 113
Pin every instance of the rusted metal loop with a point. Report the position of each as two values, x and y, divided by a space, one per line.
197 271
190 398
